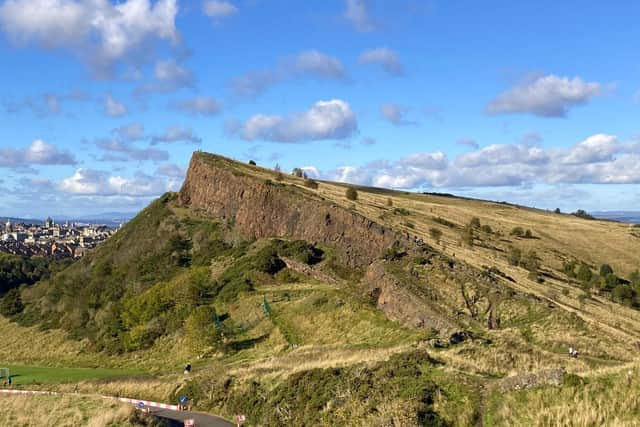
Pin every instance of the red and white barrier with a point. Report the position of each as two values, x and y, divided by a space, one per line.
147 403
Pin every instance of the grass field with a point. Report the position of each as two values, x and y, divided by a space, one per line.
39 375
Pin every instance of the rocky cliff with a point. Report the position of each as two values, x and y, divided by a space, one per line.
262 208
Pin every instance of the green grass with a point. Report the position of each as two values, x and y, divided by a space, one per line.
36 375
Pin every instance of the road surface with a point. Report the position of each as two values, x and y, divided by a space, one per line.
202 420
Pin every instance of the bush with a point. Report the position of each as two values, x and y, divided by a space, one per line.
394 253
569 268
11 304
351 194
528 234
444 222
311 183
200 329
252 163
605 270
401 212
530 261
475 222
486 228
435 234
584 273
267 261
580 213
517 231
624 295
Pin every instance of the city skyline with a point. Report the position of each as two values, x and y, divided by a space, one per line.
102 102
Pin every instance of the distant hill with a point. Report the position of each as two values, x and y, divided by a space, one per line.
632 217
304 302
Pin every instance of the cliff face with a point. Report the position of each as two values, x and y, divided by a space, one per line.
263 209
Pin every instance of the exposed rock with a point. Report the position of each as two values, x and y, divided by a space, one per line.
399 303
309 270
261 209
553 377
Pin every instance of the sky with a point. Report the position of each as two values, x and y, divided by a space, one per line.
103 102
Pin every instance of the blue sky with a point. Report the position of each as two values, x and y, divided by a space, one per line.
102 102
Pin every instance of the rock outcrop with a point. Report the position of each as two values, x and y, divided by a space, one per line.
260 209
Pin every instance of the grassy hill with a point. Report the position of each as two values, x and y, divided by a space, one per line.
297 304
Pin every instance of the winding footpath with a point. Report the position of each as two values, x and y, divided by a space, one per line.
160 410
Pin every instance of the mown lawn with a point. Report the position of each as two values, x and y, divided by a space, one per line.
25 375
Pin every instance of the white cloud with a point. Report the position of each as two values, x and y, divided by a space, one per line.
386 58
171 170
308 63
357 13
204 105
395 113
99 31
176 134
114 108
100 183
332 119
169 76
38 153
545 96
120 151
595 149
219 8
130 132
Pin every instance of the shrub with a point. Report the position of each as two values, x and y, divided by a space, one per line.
634 278
389 202
311 183
486 228
435 234
605 270
569 268
475 222
530 261
351 194
624 295
580 213
11 304
557 210
584 273
444 222
528 234
401 212
200 329
517 231
515 255
267 261
394 253
252 163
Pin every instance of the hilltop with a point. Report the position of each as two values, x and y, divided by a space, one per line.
298 304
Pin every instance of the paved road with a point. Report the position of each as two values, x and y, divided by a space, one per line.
202 420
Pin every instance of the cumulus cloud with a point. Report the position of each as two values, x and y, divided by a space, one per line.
199 105
100 183
599 159
332 119
169 76
117 150
308 63
176 134
38 153
357 13
114 108
395 114
219 8
99 31
384 57
130 132
545 96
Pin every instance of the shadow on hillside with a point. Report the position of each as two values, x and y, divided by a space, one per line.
248 343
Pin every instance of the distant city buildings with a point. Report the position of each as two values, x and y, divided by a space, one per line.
51 239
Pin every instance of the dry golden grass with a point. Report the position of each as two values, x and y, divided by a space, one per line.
62 411
612 401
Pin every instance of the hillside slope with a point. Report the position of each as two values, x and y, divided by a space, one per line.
298 305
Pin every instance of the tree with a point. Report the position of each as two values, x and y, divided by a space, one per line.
351 194
201 330
557 211
252 163
11 304
584 273
605 270
435 234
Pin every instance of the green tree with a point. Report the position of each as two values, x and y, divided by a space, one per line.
584 273
351 193
11 304
200 329
624 294
605 270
